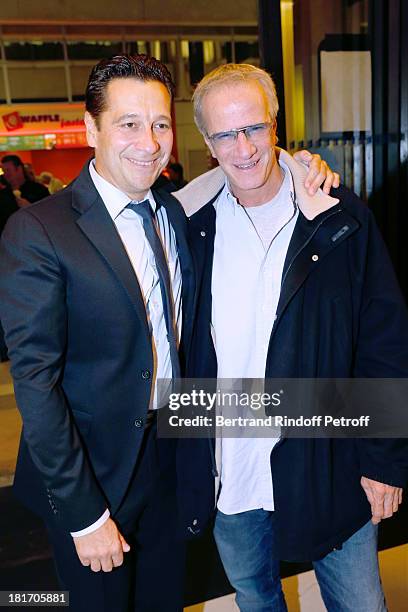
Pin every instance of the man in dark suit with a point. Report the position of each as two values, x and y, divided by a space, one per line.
96 289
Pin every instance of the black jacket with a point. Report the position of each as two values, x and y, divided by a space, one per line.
339 316
8 206
33 191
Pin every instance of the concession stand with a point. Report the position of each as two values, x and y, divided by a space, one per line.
49 136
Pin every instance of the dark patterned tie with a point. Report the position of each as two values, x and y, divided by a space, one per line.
144 210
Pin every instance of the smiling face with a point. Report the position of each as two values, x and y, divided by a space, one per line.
251 168
133 139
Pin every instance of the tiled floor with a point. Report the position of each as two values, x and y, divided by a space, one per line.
301 591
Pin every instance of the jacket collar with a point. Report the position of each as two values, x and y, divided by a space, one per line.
97 224
178 221
84 192
205 187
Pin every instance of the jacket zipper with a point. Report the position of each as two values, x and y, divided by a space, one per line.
307 242
281 440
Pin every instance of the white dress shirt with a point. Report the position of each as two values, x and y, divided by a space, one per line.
249 253
130 229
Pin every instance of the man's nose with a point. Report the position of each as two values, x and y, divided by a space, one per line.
244 146
147 140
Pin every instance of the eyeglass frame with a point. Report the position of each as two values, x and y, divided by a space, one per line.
236 131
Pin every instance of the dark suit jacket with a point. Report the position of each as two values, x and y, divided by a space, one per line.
80 350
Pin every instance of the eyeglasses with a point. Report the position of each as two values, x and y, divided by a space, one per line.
257 134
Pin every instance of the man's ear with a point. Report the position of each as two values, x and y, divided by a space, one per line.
91 130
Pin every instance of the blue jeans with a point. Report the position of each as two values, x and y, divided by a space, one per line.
348 578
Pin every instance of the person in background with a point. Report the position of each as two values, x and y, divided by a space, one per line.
52 183
18 188
29 172
24 190
8 206
176 173
163 182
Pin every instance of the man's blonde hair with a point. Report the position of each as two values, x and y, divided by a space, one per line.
227 74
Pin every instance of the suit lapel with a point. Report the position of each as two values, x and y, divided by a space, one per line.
98 227
178 222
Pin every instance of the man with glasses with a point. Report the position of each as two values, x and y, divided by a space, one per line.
96 294
287 288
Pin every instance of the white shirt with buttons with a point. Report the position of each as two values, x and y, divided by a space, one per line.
249 254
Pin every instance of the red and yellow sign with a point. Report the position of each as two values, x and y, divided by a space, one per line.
12 121
42 126
37 119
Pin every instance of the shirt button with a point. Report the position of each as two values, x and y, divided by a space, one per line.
138 422
145 374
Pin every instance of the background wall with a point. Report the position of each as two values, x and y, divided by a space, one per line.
244 11
48 47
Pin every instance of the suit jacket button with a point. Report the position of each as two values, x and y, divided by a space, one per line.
139 423
145 374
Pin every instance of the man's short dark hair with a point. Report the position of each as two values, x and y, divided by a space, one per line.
142 67
14 159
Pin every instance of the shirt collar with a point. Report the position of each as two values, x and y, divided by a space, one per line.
113 198
204 188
